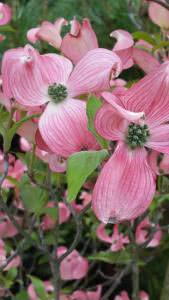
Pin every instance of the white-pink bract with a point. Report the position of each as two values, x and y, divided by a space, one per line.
126 184
28 76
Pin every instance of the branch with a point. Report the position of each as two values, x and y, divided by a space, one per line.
116 282
165 5
165 290
6 167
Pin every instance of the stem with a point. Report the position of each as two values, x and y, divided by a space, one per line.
116 282
165 289
135 281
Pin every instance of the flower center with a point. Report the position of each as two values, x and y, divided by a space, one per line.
57 92
137 135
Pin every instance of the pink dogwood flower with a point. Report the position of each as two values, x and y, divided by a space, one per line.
14 263
81 295
74 266
48 32
85 198
15 171
142 234
124 296
64 214
35 79
79 41
124 47
143 295
7 229
117 239
5 14
137 121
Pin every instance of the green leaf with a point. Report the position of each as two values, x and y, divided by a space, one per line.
12 180
21 296
79 166
93 105
11 132
122 257
12 273
39 287
7 28
141 35
160 45
51 211
4 115
34 198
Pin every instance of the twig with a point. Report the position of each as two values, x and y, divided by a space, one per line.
78 222
165 290
135 280
118 279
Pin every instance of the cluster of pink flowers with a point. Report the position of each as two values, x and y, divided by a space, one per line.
135 118
118 240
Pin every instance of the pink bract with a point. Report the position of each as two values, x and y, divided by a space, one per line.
81 295
79 41
5 13
64 214
122 296
74 266
142 234
123 47
159 15
32 293
48 32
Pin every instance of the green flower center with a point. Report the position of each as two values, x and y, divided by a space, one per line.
57 92
137 135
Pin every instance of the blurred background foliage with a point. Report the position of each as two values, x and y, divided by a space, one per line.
105 16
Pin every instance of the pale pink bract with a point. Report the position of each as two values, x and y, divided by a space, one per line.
123 47
48 32
159 15
79 41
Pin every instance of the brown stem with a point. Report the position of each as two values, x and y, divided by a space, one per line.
165 290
